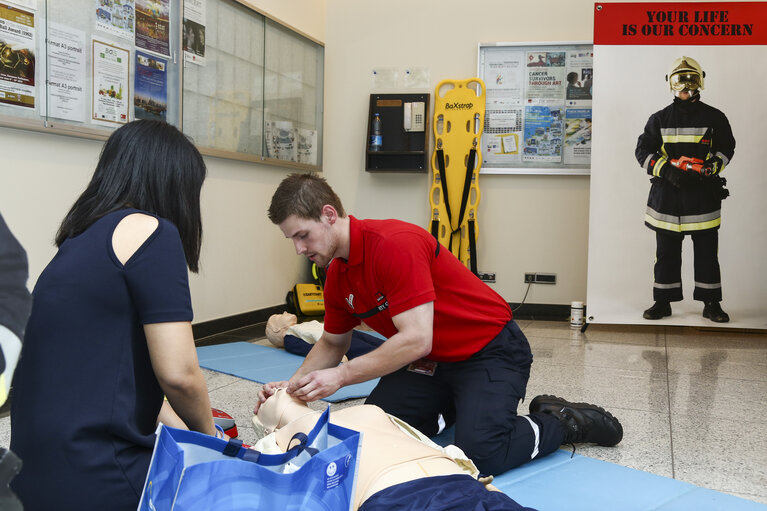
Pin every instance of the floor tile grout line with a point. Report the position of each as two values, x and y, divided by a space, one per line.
668 398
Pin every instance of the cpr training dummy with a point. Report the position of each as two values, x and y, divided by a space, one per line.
398 468
284 331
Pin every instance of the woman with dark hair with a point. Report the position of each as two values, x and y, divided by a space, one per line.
110 332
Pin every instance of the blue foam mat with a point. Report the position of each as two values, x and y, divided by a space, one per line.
263 364
561 481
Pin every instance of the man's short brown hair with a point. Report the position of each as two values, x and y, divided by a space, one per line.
303 195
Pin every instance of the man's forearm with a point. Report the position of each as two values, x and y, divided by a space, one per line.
395 353
323 355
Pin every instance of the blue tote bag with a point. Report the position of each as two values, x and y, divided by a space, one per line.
191 471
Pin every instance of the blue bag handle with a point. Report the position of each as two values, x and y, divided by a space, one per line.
234 448
303 445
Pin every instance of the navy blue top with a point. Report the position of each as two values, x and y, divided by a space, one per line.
85 397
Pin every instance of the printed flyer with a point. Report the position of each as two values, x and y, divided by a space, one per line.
66 73
153 26
111 87
543 134
577 136
545 74
116 17
150 96
17 66
194 31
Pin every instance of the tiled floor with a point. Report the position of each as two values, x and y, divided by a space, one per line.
693 402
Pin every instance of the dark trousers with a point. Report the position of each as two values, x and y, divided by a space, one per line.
668 266
482 395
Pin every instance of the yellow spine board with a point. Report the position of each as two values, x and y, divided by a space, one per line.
459 116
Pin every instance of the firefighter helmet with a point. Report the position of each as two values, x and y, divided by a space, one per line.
685 75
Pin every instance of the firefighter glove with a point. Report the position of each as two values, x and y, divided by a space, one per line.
712 166
672 174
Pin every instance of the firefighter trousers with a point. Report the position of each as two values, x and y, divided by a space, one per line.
668 266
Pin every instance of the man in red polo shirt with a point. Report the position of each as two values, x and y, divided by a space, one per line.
452 349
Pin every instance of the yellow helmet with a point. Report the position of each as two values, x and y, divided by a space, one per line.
685 75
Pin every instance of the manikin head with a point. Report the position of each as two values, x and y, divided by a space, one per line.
278 410
277 325
685 79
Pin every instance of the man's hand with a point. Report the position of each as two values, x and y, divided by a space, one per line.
317 384
267 391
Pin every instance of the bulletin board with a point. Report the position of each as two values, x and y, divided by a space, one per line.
240 84
255 94
73 65
538 116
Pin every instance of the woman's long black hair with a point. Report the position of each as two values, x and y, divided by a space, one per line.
151 166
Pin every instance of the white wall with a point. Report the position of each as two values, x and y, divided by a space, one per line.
527 223
246 262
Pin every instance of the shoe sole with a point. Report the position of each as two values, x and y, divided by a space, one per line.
563 402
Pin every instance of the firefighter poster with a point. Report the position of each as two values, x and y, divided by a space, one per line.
677 209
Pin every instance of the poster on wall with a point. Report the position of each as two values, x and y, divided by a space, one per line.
529 90
17 66
153 26
194 31
677 182
115 17
150 90
111 88
65 49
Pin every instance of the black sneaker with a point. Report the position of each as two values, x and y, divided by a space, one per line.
658 310
714 312
582 422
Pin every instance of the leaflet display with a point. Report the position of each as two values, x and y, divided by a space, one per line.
538 107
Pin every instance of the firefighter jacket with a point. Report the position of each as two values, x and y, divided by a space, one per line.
685 128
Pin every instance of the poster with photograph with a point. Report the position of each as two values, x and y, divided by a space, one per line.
111 86
577 148
150 89
543 134
153 26
115 17
194 31
17 66
630 193
580 76
545 75
65 57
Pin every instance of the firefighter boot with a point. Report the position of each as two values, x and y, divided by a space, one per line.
714 312
582 422
658 310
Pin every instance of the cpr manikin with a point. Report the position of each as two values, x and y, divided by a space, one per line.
286 323
389 454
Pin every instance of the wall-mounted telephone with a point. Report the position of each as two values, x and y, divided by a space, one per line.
414 116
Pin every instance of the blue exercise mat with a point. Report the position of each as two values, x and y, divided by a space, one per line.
561 481
263 364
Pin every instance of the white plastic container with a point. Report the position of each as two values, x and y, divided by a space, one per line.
576 314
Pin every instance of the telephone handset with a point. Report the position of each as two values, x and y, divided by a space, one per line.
414 117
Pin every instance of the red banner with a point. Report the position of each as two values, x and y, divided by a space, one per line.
698 23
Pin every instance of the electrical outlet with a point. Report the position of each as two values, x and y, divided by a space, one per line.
486 276
540 278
